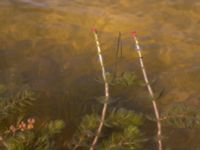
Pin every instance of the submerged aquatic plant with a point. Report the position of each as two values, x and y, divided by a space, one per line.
180 115
151 93
18 133
15 107
124 79
24 135
121 131
106 88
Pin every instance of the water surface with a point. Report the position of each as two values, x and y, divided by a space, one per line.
47 46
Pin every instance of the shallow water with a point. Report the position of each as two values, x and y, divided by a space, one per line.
47 46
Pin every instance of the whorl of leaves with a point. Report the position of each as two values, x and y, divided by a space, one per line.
12 111
33 139
16 104
125 133
121 131
181 115
124 79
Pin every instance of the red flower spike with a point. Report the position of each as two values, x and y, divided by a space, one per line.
134 34
94 30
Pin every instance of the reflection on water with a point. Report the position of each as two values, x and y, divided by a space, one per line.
47 45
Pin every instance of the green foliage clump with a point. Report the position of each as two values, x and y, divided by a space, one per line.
121 131
41 139
125 131
181 115
16 134
123 118
15 107
54 127
123 79
85 132
18 102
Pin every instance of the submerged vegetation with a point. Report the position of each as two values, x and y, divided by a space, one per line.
20 132
124 79
25 136
112 128
130 136
121 131
45 46
180 115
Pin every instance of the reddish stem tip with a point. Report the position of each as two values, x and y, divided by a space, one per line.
134 33
94 30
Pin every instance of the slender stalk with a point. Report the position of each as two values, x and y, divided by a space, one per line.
151 93
121 45
118 54
106 88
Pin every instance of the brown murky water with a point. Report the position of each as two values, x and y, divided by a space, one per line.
47 46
